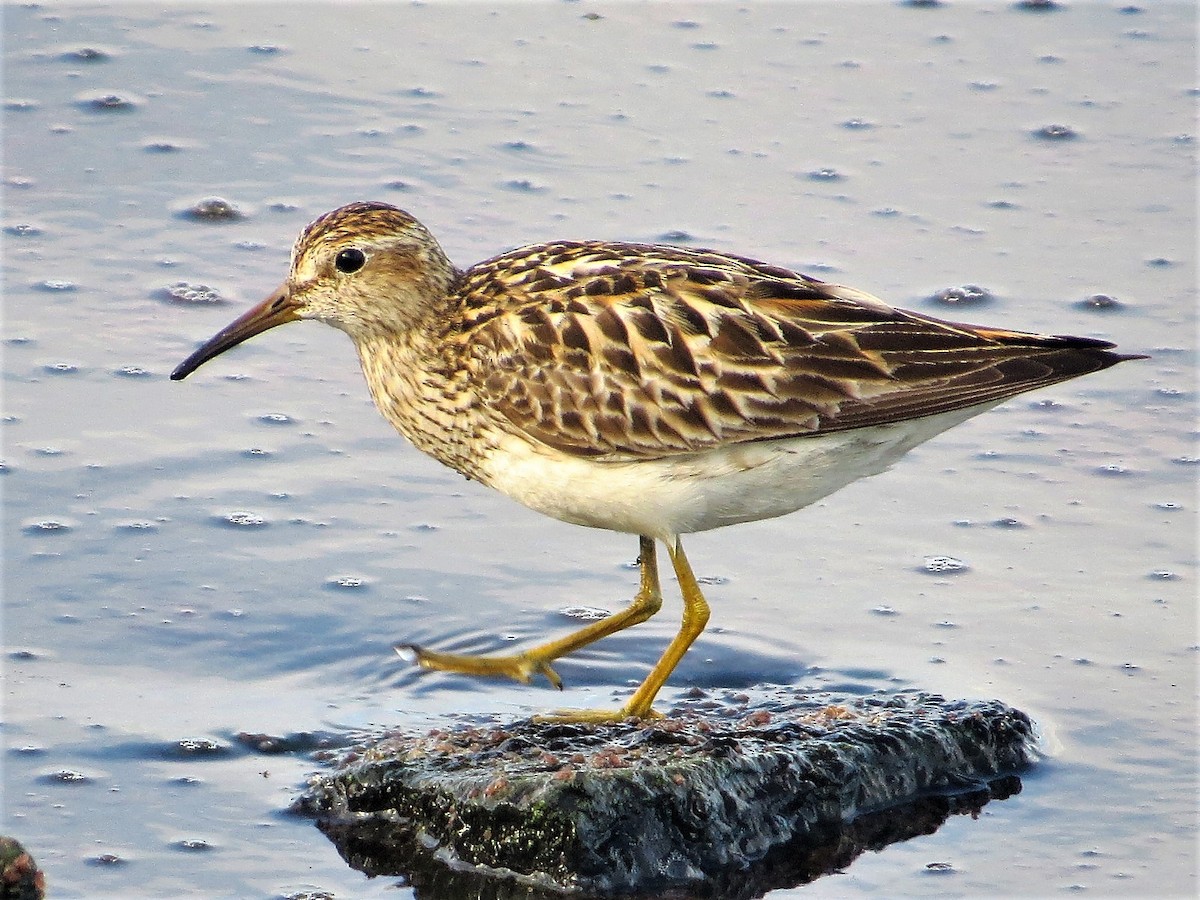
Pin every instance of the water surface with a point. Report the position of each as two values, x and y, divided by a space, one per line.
238 553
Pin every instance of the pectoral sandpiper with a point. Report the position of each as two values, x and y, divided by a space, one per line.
647 389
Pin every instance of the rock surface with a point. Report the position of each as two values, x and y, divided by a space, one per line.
725 797
20 878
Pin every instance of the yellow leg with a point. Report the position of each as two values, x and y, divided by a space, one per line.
695 617
524 666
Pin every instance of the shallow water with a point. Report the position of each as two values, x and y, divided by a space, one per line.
239 553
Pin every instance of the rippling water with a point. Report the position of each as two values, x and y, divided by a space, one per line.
184 563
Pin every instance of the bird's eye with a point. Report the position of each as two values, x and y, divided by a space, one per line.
350 260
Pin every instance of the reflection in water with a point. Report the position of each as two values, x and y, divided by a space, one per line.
379 850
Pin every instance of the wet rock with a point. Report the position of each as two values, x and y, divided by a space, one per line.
741 797
20 878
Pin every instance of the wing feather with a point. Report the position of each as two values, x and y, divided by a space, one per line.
638 351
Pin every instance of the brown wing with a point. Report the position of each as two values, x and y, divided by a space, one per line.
638 351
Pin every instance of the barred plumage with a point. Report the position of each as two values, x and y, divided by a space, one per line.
644 388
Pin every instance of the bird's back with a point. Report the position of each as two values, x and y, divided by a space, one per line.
627 351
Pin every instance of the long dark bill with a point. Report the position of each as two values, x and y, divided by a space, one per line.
277 309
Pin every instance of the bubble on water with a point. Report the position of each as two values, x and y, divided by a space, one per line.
1100 302
241 519
66 776
346 583
108 101
884 611
186 292
60 368
826 173
194 845
943 565
106 860
56 286
23 229
524 185
587 613
213 209
162 145
275 419
676 236
939 868
86 54
1055 132
1168 505
136 527
963 295
131 372
47 526
1163 575
1008 522
1112 469
257 453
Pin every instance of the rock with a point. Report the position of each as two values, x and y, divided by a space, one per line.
20 878
725 797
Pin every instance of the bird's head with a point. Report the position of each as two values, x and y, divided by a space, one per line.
365 268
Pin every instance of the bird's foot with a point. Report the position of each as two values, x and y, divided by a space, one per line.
520 667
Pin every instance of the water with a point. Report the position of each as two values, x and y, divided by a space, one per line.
240 552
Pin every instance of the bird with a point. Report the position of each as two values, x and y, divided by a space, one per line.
642 388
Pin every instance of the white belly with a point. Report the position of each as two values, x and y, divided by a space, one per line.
664 498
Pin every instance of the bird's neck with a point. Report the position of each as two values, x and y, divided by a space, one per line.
419 390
